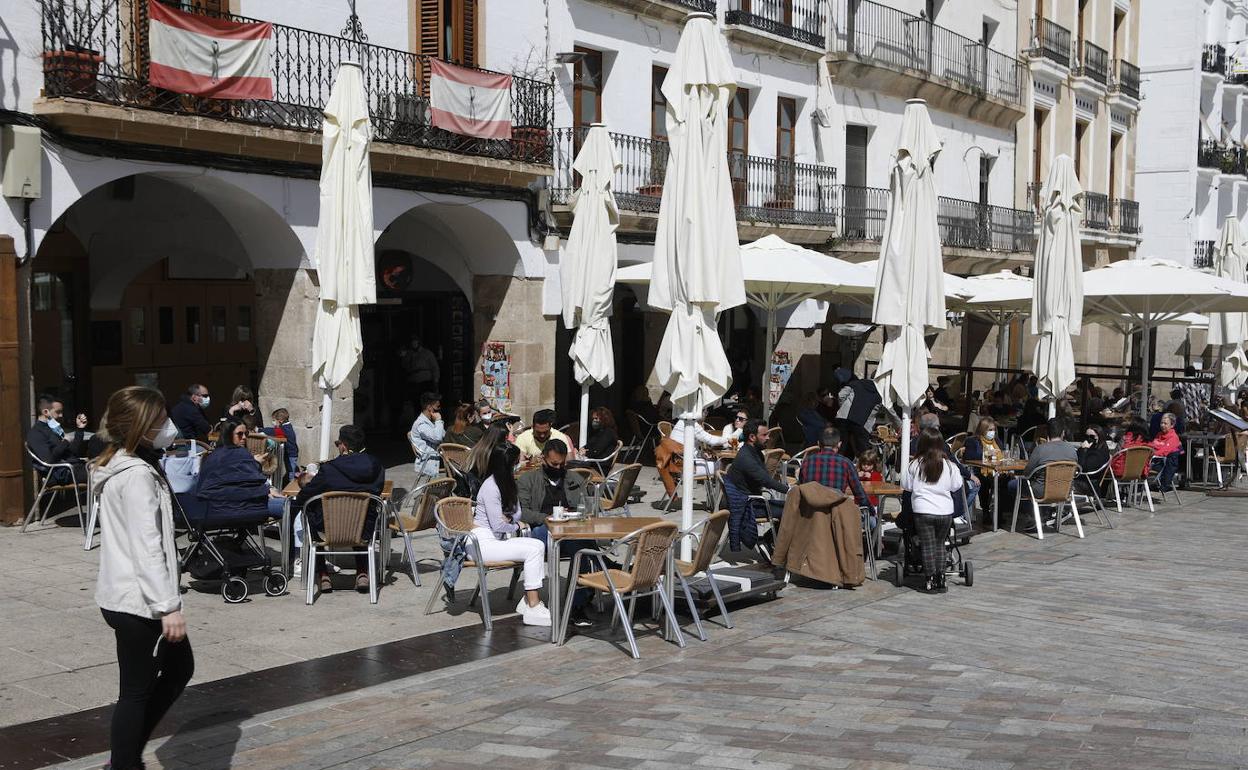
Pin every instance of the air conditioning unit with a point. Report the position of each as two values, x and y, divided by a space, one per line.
404 111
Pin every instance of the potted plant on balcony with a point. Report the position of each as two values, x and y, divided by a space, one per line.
72 66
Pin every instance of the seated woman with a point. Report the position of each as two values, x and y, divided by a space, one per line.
465 430
1093 454
669 456
231 481
1167 446
982 446
496 524
477 465
932 480
1135 434
602 439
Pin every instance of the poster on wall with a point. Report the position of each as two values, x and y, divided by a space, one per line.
781 370
496 375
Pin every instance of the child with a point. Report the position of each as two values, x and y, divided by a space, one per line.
283 428
869 470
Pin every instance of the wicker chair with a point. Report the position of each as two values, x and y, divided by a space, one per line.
454 458
618 488
793 465
1059 477
775 460
956 441
344 515
664 427
1228 456
651 548
1135 465
606 464
41 473
419 517
708 545
453 518
644 433
1092 480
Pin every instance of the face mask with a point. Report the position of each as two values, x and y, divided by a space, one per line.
990 434
487 417
204 402
55 425
596 423
168 433
554 474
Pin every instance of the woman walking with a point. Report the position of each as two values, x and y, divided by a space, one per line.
932 480
137 590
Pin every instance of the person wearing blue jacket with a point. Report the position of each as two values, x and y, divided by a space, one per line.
284 428
231 484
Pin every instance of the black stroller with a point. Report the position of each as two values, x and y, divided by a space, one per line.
223 547
910 561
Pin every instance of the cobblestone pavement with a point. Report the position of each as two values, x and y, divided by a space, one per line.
1121 650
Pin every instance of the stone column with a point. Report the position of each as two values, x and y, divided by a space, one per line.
509 310
285 318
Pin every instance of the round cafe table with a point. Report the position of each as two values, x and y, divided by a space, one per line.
999 467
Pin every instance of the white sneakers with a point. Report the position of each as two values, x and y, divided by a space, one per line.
533 616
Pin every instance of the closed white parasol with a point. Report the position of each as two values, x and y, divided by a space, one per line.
1057 290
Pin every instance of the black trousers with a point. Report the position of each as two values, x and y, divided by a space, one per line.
152 678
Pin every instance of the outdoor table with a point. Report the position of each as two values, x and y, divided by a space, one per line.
881 490
1206 440
286 531
597 528
1000 467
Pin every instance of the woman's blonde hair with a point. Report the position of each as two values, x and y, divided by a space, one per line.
127 419
984 424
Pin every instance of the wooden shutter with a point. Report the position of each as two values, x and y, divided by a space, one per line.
467 37
432 20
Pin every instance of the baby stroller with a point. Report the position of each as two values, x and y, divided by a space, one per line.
910 560
222 547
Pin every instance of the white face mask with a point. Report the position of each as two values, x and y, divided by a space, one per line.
204 402
990 434
166 436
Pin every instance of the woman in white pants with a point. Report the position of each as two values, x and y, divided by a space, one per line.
496 524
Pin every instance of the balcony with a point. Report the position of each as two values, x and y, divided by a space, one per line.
1125 216
111 98
1236 73
1202 255
1222 158
1095 210
1051 41
1213 60
875 47
1093 63
1126 80
671 10
785 25
769 192
963 224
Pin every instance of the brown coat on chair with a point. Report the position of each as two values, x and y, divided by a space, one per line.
669 459
821 536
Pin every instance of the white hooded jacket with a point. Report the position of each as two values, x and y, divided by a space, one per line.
138 558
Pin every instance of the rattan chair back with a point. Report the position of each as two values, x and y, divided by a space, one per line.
708 543
1135 462
624 483
454 454
1229 453
257 443
665 428
1058 476
344 514
773 458
650 549
454 514
423 500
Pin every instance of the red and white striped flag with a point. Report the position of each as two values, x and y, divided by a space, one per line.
470 102
207 56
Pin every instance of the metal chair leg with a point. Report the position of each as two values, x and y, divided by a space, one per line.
667 607
373 556
693 610
30 516
1035 512
309 562
1075 510
628 628
438 588
410 552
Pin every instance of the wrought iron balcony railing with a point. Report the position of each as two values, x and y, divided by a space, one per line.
1051 41
1236 73
1213 59
1093 63
97 50
1095 210
1202 255
1209 154
1126 79
901 41
770 190
964 224
800 20
1125 214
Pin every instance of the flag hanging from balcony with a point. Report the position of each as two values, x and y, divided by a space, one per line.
470 102
208 56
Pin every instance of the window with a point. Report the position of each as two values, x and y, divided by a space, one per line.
1037 146
243 328
218 323
447 29
138 326
587 88
739 143
192 326
164 325
1081 130
658 104
786 124
856 193
1120 41
1114 141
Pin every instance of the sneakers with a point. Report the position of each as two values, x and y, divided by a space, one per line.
533 616
298 568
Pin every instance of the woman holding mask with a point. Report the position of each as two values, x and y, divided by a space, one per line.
137 589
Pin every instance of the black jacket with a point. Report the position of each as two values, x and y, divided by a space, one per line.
189 419
345 473
748 472
231 484
50 447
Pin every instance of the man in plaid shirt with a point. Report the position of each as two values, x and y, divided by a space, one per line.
832 469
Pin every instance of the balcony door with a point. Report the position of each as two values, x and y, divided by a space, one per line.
447 29
855 204
739 144
656 157
786 178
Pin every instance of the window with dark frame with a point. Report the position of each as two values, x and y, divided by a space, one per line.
786 151
587 88
658 103
739 144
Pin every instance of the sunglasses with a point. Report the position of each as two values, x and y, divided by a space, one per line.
240 434
740 419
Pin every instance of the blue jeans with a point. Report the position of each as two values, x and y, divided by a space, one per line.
1169 466
567 550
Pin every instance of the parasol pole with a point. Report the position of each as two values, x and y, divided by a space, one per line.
686 482
584 414
327 407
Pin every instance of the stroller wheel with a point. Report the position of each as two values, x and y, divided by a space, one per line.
234 590
275 584
968 574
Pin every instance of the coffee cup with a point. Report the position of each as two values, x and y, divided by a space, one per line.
558 512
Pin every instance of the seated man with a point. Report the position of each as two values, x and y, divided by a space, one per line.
48 440
833 470
531 441
188 414
539 491
747 476
353 470
1057 448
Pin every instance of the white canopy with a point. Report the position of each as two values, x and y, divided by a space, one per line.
1057 291
909 284
1228 330
697 269
344 239
998 298
587 268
